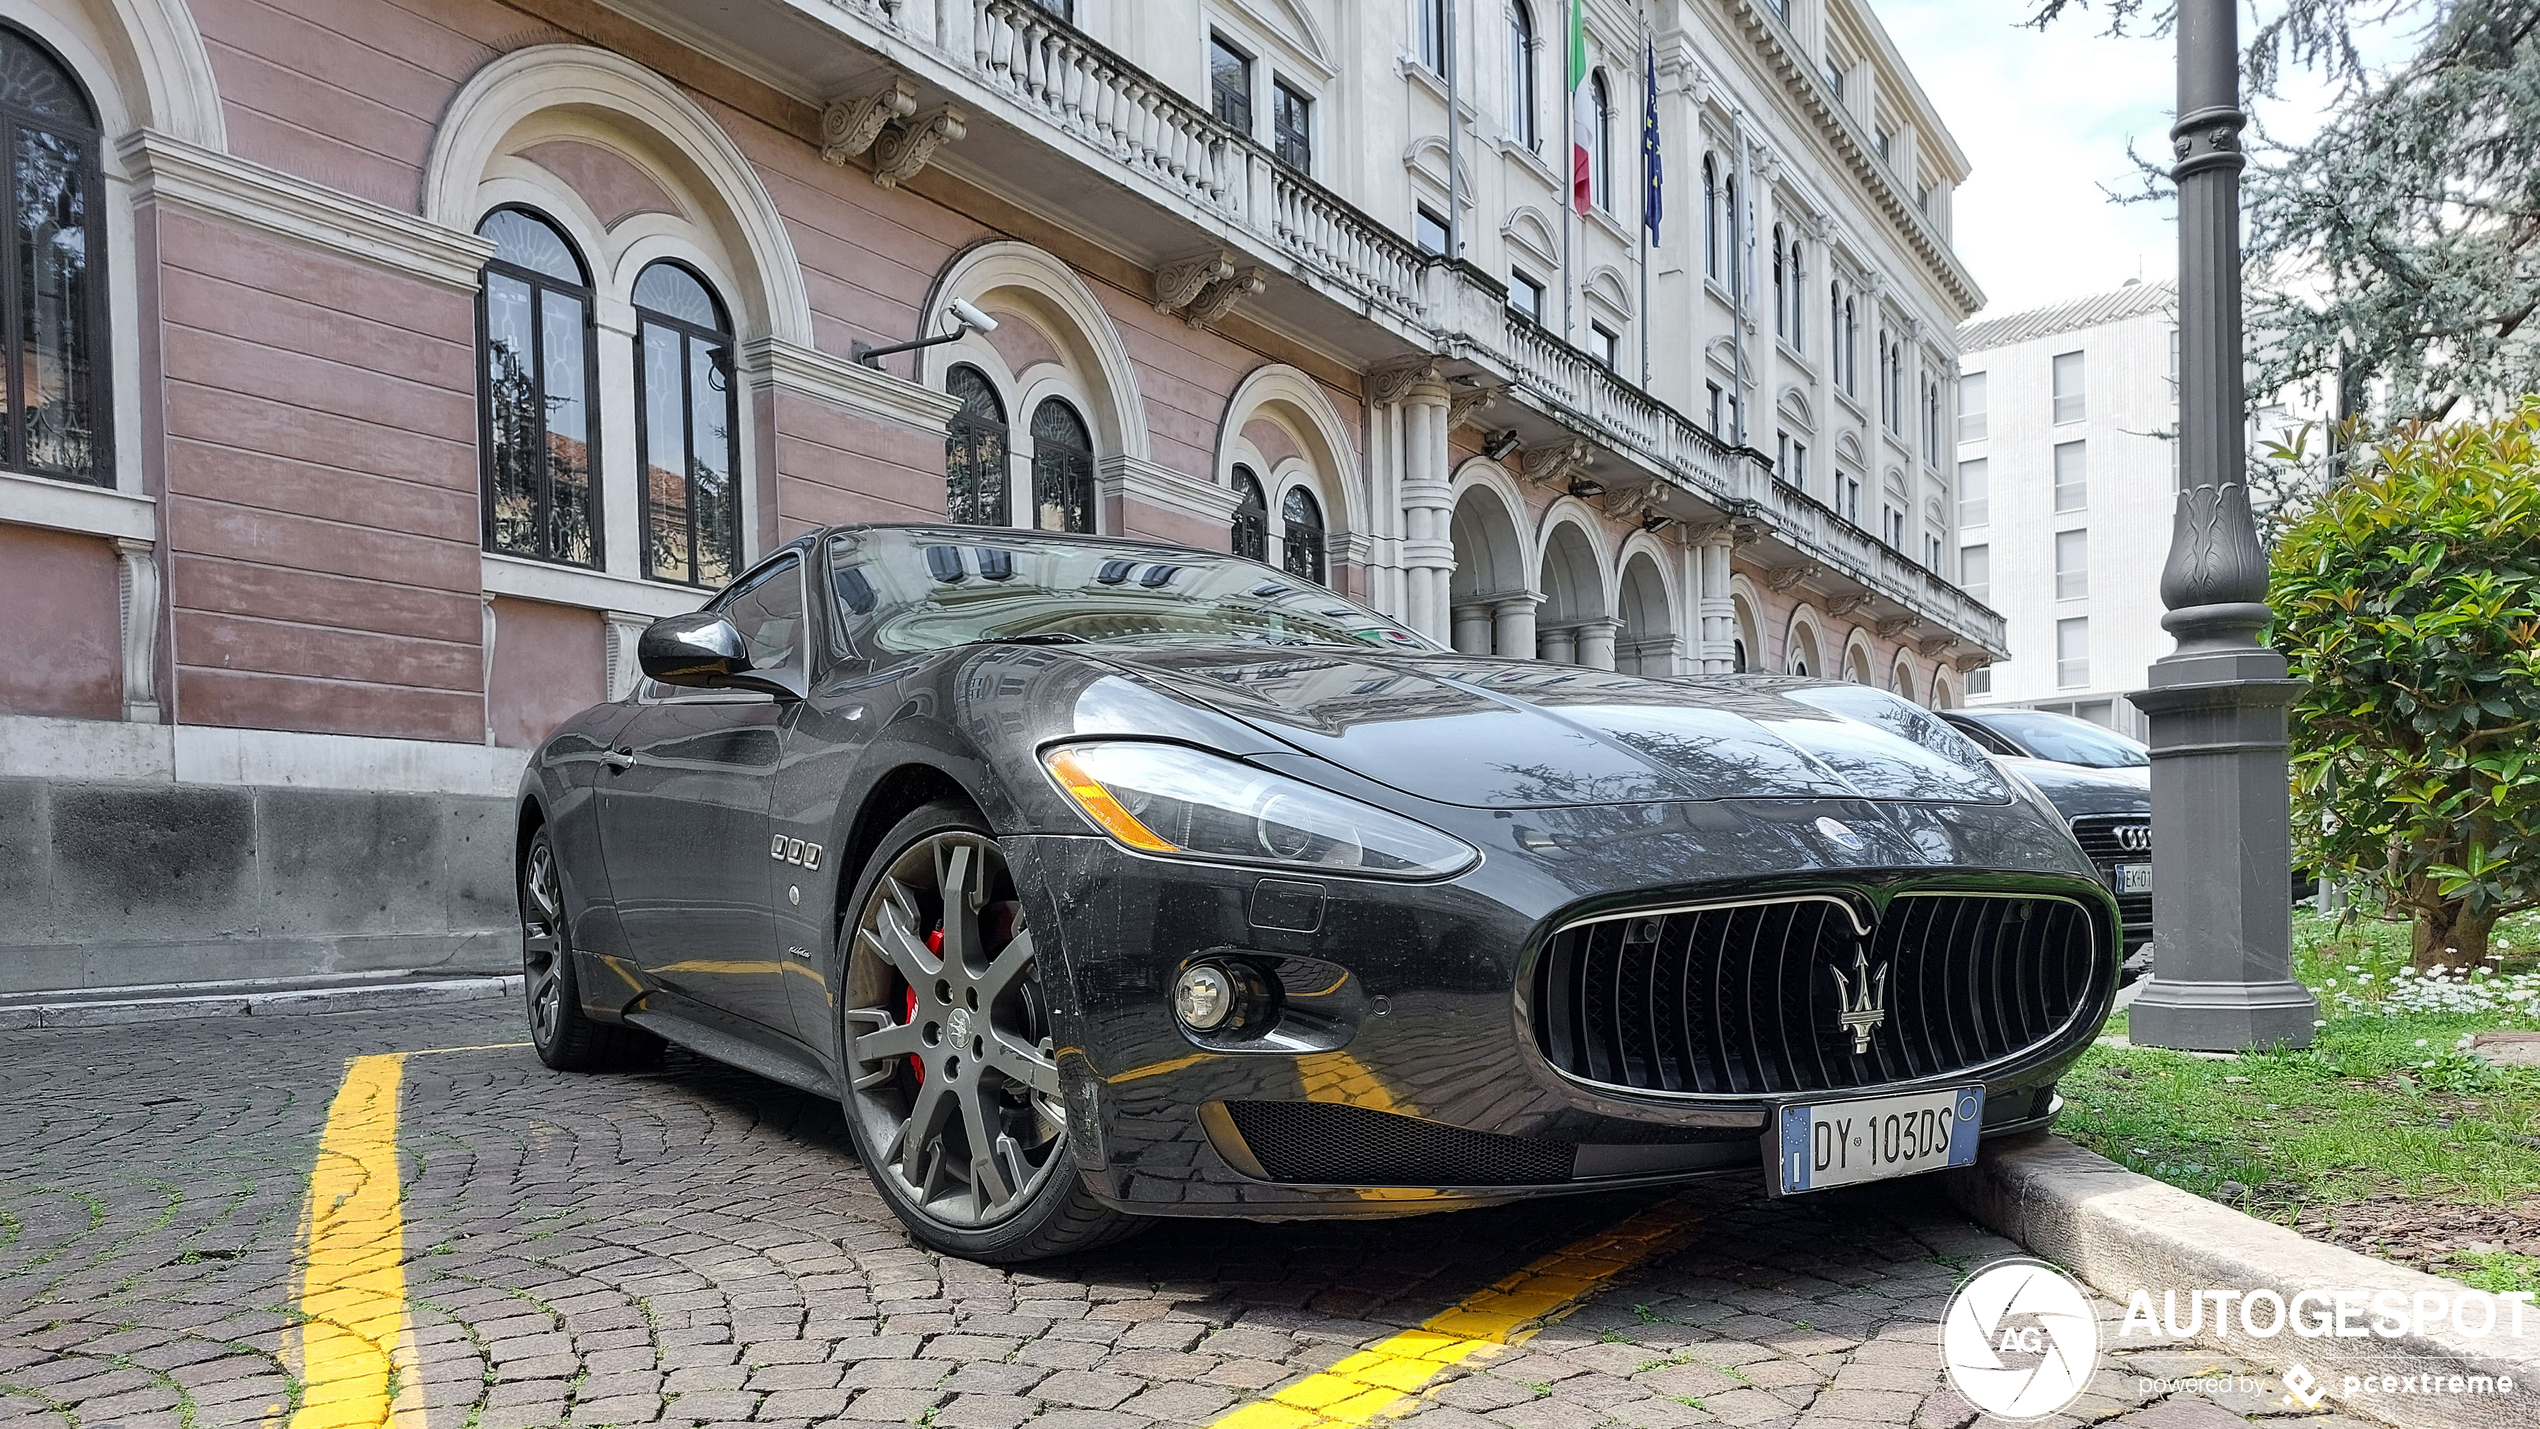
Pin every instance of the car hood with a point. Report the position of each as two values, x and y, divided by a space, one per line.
1490 733
2078 789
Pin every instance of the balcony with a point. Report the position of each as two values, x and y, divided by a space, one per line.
1168 181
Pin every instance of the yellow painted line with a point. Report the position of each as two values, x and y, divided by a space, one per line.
1387 1378
357 1357
1158 1069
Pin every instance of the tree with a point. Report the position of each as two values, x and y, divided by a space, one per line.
2394 257
2408 600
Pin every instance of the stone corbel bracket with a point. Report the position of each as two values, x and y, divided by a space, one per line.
1971 661
1940 647
1465 406
1899 627
1390 384
1555 465
1624 505
1849 604
1783 578
904 145
1219 298
848 127
1179 283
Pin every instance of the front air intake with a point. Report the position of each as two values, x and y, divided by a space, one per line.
1332 1144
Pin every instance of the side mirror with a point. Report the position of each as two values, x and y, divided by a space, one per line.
702 651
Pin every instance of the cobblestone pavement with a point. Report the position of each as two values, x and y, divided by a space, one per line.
695 1246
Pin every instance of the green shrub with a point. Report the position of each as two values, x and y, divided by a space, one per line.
2408 598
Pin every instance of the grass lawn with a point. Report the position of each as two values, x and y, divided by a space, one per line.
2384 1135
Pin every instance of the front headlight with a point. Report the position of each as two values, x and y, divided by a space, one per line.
1168 799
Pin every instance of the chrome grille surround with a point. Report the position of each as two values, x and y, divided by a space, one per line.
1733 999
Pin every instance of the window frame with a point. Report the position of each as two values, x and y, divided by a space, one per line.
544 499
1252 509
1980 554
1518 280
1283 97
2079 489
688 333
96 277
1972 383
2077 397
1600 141
2072 582
953 429
1524 98
1421 214
1320 547
1218 94
1429 35
1975 492
1043 462
2072 672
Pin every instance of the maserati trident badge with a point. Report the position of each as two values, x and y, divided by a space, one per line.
1863 998
1842 834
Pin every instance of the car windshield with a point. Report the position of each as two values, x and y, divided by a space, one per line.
2067 740
908 591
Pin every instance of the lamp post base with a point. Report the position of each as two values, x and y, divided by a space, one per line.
2221 1016
2221 909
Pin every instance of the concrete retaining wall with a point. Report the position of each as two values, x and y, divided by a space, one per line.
114 884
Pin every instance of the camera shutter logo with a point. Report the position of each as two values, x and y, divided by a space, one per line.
2019 1340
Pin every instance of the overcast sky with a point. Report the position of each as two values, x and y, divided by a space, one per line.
2045 119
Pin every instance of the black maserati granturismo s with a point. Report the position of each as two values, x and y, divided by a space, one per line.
1102 879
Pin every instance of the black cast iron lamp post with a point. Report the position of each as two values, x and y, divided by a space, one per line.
2221 836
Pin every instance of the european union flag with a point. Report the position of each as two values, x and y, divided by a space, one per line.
1653 168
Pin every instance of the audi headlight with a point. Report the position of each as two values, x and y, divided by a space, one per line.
1171 800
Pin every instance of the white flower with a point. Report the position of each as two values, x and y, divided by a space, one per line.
2420 1041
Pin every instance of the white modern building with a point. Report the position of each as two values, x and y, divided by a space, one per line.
2066 482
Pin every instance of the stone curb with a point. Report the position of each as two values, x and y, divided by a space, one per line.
361 997
2121 1232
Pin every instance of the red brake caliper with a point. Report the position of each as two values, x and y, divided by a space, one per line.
935 945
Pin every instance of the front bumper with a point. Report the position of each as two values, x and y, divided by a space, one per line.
1418 1019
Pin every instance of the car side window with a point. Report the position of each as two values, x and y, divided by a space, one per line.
768 611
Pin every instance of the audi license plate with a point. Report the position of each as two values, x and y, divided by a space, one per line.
2134 878
1845 1143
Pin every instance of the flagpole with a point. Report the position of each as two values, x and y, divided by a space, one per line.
1649 116
1454 133
1569 172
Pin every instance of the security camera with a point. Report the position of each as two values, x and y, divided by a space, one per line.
971 317
1501 443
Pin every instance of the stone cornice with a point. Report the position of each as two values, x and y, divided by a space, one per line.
851 385
1158 485
1807 91
189 178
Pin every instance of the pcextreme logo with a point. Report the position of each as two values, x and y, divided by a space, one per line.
2019 1340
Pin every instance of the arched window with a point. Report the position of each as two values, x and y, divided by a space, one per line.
1931 421
1710 217
1798 298
975 451
688 428
1737 655
540 421
1781 288
1062 469
1600 137
1851 347
1733 229
1834 331
1252 517
1301 544
1521 73
53 295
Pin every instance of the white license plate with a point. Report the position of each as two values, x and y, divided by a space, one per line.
2134 878
1845 1143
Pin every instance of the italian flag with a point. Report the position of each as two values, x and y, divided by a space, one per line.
1582 108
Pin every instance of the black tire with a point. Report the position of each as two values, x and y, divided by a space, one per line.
566 1038
957 1035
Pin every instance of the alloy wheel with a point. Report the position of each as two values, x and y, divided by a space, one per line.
542 942
953 1080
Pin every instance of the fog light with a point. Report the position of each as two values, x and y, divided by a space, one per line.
1204 997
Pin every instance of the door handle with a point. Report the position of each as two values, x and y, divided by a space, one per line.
620 758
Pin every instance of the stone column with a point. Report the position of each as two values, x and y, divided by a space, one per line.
137 600
1513 633
1715 636
1473 629
1596 643
1428 549
1558 646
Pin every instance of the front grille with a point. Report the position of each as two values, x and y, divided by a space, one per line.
1328 1143
2104 837
1740 1000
